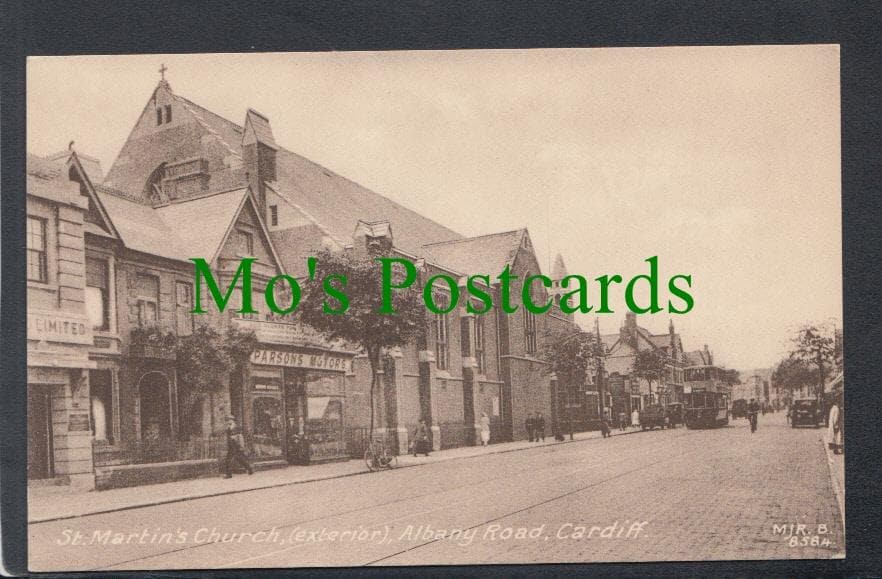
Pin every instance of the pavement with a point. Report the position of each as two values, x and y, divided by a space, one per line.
52 503
672 495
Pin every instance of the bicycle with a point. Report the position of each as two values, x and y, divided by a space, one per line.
378 456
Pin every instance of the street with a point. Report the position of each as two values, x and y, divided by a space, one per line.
669 495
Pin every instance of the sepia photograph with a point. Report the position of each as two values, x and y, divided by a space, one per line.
435 307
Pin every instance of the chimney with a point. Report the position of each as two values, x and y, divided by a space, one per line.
259 155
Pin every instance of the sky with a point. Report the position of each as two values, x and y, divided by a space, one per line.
722 161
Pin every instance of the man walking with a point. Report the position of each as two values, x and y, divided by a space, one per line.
539 425
421 439
235 449
529 424
753 409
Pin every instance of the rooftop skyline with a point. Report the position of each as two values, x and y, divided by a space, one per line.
724 162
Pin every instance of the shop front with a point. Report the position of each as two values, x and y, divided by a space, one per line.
59 430
295 404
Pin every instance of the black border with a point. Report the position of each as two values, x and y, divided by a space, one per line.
163 26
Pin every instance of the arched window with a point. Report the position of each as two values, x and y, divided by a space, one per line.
153 187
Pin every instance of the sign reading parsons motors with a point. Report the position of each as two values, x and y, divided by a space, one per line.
59 327
323 361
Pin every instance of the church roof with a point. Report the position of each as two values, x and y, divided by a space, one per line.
334 203
485 254
337 204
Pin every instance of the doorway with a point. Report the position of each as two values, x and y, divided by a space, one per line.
155 395
40 460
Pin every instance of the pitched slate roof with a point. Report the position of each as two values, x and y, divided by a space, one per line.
337 204
190 228
697 358
202 223
333 202
485 254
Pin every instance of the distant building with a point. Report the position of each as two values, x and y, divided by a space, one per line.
625 391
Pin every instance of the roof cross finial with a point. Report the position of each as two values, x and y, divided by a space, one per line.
162 70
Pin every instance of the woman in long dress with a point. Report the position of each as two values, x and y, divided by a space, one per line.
485 429
834 429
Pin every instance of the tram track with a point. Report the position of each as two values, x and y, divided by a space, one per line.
397 504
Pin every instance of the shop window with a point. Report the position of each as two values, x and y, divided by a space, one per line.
530 331
101 396
479 343
442 351
36 245
266 420
244 243
98 293
324 426
183 307
147 299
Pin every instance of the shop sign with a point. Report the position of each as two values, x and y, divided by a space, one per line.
58 327
320 361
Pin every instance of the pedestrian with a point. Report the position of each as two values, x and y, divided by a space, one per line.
529 424
235 449
635 418
834 429
623 418
485 429
539 427
421 439
604 427
753 409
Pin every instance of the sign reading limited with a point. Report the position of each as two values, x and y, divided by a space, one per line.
57 327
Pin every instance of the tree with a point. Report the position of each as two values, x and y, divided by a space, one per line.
204 360
571 354
651 365
731 376
361 324
793 374
813 344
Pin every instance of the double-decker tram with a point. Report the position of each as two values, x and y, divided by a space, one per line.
706 397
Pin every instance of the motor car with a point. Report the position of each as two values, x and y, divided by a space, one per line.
739 408
652 416
805 412
676 414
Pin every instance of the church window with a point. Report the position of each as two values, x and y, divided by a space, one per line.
168 113
158 116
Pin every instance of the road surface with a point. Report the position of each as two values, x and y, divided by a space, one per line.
670 495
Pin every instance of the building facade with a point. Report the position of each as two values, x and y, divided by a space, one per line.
188 183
